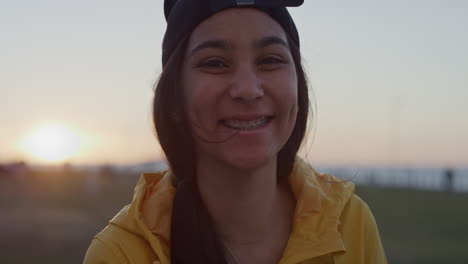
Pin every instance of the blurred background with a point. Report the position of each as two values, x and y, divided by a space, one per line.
389 79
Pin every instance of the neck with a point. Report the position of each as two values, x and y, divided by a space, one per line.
245 205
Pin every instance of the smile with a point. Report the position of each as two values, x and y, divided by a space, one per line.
246 124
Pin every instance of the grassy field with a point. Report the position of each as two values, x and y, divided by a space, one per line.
50 218
420 226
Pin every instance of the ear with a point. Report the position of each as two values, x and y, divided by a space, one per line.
168 5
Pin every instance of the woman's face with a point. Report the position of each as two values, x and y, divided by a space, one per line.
240 88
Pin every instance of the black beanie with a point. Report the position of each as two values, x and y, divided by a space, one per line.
183 16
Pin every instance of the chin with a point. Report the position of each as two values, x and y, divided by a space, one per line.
250 162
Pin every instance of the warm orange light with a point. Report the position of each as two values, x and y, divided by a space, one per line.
52 143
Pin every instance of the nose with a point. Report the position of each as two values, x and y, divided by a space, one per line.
246 85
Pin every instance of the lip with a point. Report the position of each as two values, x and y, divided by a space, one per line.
246 117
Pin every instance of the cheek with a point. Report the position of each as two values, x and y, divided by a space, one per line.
287 98
201 101
287 95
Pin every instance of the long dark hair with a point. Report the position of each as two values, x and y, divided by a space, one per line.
193 235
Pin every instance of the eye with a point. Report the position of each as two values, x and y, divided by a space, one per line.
270 63
213 65
271 60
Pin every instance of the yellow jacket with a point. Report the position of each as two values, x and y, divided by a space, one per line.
331 224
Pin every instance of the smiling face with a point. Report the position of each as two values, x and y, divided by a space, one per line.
240 87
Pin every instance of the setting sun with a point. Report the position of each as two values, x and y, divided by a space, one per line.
51 143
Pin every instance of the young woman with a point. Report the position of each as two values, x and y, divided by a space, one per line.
230 110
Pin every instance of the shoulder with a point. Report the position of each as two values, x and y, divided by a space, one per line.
104 249
360 234
127 238
356 210
117 245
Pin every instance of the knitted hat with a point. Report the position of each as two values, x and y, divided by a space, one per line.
183 16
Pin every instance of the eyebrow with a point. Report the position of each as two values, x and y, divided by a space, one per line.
270 40
224 44
213 44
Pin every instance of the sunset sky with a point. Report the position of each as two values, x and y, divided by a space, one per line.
390 80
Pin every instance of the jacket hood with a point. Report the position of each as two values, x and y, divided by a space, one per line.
152 200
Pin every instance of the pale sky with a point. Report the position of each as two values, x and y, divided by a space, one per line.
390 78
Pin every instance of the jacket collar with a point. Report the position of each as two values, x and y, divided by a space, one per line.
320 199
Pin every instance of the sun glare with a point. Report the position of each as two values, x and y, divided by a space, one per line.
51 143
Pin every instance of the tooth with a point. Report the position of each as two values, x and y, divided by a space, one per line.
249 124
